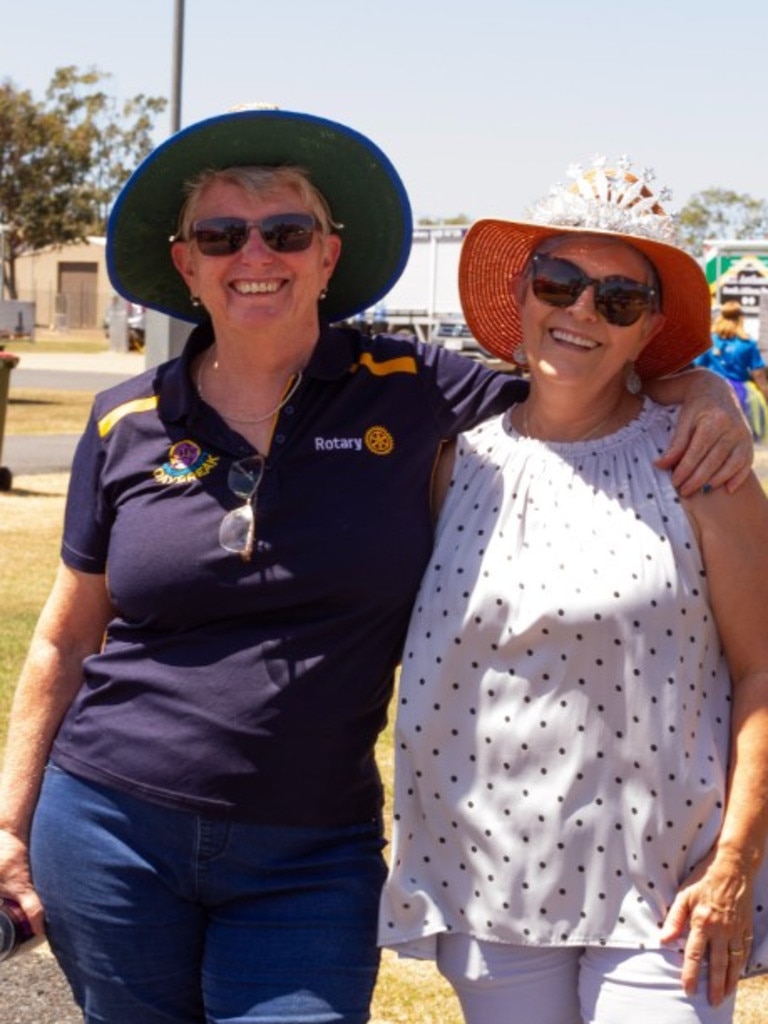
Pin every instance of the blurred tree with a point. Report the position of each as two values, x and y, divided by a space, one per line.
721 213
63 161
459 218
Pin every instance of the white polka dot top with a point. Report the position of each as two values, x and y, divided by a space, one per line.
563 721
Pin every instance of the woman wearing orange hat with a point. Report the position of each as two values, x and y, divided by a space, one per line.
581 798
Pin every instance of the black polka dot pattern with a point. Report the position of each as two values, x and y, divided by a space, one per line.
562 733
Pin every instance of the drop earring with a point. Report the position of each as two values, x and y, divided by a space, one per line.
195 300
632 381
520 356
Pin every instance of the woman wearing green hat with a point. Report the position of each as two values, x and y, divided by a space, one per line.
190 768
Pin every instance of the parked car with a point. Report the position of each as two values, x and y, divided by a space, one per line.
456 336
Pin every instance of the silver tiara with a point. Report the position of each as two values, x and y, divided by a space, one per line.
604 198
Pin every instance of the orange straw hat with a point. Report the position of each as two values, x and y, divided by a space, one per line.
600 201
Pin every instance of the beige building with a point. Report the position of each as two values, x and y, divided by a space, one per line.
68 284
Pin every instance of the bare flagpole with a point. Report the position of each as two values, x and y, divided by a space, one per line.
165 336
178 61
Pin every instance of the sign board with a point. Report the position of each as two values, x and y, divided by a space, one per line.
744 282
737 272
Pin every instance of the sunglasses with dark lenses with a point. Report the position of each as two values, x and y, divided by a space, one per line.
620 300
281 232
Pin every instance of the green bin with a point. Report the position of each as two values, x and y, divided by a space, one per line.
7 363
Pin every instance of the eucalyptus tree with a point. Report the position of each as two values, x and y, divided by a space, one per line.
721 213
64 159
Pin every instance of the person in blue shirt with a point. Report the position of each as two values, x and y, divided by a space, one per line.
190 803
736 357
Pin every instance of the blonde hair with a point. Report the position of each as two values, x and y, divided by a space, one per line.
730 322
261 182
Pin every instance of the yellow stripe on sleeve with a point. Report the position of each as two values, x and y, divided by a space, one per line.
402 364
106 423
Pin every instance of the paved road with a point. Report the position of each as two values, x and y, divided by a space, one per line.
52 453
26 454
65 380
33 991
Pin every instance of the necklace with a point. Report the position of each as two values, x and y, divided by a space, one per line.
575 440
236 419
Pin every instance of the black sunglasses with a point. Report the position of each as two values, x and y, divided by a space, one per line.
620 300
281 232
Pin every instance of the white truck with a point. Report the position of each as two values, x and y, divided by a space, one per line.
425 301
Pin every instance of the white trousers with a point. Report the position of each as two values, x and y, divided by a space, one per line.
505 984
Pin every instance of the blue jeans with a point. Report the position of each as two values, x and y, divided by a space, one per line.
159 916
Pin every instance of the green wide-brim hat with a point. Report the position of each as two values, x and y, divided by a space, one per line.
361 186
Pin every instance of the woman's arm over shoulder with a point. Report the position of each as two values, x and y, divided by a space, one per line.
713 442
463 392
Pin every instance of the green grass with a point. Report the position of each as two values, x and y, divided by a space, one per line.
30 530
48 341
33 411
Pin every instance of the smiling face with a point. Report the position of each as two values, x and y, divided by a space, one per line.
257 288
576 345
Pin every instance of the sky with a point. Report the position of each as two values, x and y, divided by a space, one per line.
481 105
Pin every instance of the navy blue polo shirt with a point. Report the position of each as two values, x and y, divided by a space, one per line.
256 690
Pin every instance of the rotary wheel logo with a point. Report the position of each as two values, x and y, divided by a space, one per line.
379 441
